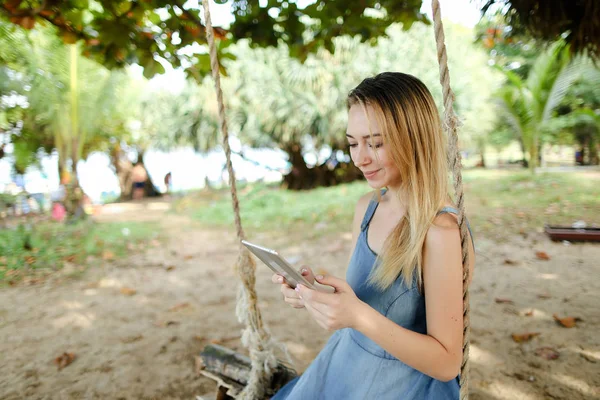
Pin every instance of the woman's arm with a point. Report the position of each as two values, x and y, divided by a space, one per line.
439 352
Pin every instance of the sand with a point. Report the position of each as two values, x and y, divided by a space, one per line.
143 345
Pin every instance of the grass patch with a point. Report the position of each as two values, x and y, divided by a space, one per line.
268 208
40 249
498 202
501 202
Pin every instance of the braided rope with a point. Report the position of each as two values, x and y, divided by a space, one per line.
255 337
451 124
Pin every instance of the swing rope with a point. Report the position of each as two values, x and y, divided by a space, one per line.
451 124
255 337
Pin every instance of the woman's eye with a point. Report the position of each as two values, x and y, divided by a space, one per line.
351 145
377 145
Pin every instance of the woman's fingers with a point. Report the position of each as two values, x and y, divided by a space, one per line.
276 278
289 292
308 274
296 303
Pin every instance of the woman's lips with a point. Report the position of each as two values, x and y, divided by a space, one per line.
371 174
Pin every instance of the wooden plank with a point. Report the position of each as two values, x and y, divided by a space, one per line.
232 370
557 233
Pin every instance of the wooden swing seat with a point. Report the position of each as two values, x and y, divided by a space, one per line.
231 371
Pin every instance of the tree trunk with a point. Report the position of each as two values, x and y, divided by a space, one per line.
122 167
149 188
533 154
299 177
593 150
330 173
524 153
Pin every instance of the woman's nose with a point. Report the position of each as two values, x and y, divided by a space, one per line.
362 156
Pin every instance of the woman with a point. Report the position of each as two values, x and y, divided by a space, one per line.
398 315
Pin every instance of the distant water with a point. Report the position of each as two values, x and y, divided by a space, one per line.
188 169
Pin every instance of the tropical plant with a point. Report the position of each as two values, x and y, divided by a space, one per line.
527 103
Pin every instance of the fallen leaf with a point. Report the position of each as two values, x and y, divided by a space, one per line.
108 255
547 353
544 296
524 337
507 301
542 255
162 324
180 306
91 285
529 313
30 260
155 243
131 339
510 262
567 322
128 291
216 341
69 258
64 359
188 257
170 268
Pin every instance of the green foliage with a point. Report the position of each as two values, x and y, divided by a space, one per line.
38 66
274 100
507 201
576 22
116 33
497 202
527 104
267 208
46 247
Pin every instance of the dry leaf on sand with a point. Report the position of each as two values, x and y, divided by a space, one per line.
542 255
127 291
180 306
64 359
524 337
547 353
567 322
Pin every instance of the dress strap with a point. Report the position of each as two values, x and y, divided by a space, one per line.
371 210
452 210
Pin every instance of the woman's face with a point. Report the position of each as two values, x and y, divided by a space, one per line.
369 154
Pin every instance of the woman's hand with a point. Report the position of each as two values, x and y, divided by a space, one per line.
290 296
332 311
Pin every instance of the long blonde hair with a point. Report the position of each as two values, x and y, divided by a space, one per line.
413 137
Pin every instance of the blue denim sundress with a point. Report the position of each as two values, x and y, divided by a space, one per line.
352 366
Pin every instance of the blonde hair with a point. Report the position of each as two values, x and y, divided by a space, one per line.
413 137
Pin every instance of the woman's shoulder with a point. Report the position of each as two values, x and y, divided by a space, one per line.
363 202
361 207
444 224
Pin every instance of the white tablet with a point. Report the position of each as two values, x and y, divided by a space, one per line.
278 265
